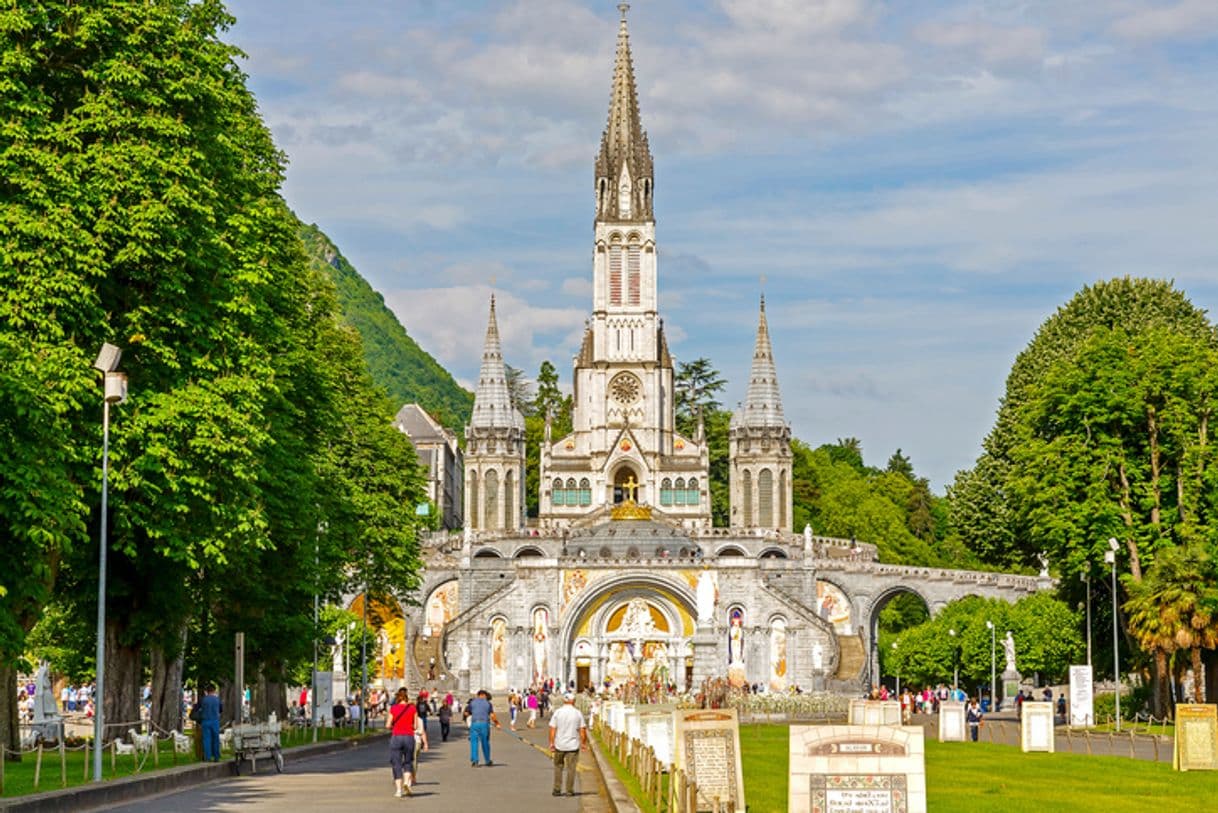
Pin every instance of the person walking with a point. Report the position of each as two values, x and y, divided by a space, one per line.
404 728
209 723
972 715
531 702
568 736
481 716
445 715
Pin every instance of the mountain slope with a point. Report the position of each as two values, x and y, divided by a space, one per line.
395 360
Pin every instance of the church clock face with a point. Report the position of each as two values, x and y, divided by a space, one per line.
625 389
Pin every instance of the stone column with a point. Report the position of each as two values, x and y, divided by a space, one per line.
708 659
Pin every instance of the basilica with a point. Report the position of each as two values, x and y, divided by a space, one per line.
623 576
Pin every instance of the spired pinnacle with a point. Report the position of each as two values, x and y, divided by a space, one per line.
624 175
492 399
762 405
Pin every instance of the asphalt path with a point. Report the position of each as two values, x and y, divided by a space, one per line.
359 779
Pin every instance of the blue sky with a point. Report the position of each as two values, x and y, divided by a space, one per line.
920 184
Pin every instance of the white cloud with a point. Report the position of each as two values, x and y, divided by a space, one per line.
451 324
1188 19
993 43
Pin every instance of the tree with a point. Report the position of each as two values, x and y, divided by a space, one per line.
696 384
1175 608
519 390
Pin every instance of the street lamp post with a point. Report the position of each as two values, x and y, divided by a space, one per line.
897 668
114 391
955 664
993 669
1087 581
1110 558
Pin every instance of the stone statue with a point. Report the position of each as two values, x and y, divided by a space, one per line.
706 596
1044 565
46 713
1008 651
808 550
463 659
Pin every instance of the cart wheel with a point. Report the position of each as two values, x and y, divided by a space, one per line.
278 761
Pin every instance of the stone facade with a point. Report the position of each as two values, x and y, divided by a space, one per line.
441 456
624 577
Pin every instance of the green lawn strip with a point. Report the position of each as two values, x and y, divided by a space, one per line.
633 787
971 777
19 776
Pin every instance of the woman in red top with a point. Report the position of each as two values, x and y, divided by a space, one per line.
403 729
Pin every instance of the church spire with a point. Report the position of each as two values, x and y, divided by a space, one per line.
492 400
624 176
762 405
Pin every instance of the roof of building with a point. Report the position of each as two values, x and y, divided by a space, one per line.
492 399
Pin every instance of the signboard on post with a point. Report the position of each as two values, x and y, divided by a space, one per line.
1036 726
325 698
856 768
1196 743
951 721
708 750
1082 696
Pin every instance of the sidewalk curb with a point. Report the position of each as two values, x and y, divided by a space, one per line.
619 797
132 788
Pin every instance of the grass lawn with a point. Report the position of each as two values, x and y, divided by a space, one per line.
971 777
19 776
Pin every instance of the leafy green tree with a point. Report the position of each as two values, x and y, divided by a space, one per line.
697 384
395 360
547 401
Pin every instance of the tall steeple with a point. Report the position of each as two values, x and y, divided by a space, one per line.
492 400
762 405
624 175
759 446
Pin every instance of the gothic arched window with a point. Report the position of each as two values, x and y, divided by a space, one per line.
490 501
473 500
666 491
509 503
746 498
691 492
765 498
557 495
585 492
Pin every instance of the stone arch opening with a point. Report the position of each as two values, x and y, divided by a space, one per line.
599 639
892 610
626 485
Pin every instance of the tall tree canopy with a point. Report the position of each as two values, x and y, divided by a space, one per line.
142 208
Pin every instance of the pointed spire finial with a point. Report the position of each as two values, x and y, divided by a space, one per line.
762 403
623 7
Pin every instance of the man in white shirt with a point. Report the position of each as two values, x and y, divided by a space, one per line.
568 736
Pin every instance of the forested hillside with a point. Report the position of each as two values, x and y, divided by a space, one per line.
396 361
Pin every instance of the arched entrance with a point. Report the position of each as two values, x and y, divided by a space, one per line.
626 485
632 635
894 610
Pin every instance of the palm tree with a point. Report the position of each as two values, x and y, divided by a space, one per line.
1175 608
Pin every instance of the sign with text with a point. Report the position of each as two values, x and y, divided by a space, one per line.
1196 745
656 725
852 769
708 750
1036 726
1082 696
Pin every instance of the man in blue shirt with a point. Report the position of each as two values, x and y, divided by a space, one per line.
210 708
480 716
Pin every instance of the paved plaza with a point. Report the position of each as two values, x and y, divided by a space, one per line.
359 779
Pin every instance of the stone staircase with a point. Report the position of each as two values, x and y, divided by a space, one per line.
853 657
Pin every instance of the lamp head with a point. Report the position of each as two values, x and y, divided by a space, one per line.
1110 557
107 359
952 633
1113 544
989 625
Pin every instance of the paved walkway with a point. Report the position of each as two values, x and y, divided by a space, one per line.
359 779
